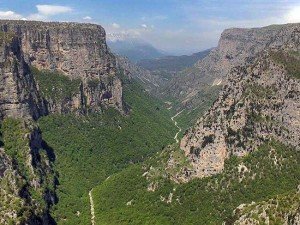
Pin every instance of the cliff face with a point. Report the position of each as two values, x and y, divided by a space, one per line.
45 68
259 102
236 47
77 51
18 93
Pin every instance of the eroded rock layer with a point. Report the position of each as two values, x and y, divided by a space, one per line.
236 47
77 51
259 102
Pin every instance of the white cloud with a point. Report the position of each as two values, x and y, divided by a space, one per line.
87 18
46 11
144 26
115 25
36 16
50 10
10 15
293 16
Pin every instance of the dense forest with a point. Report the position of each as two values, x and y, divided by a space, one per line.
124 199
90 148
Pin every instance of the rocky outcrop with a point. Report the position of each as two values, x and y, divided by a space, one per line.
18 93
284 209
236 47
259 102
77 51
45 68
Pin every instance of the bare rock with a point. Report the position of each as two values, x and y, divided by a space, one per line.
259 102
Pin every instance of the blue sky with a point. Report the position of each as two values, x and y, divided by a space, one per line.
175 26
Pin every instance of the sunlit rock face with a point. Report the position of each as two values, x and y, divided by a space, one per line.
259 102
77 51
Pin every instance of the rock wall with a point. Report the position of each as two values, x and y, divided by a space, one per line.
34 57
78 51
18 92
236 47
259 102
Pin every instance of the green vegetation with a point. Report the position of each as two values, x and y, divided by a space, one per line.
290 60
93 83
6 37
258 92
271 170
90 148
54 85
275 210
16 143
16 133
188 117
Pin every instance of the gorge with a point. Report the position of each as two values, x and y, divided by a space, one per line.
89 137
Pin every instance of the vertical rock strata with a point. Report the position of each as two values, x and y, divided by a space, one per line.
19 97
77 51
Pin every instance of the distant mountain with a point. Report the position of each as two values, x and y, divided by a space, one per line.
134 49
243 152
157 75
173 63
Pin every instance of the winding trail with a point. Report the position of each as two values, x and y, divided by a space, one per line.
179 128
92 208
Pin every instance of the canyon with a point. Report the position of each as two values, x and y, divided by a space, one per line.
88 136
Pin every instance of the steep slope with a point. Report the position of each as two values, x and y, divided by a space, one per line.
45 68
27 178
19 96
244 149
91 148
236 46
76 51
259 102
282 209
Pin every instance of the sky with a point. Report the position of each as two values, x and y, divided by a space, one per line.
173 26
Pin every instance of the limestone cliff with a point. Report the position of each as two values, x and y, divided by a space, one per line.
45 68
236 47
259 101
77 51
18 93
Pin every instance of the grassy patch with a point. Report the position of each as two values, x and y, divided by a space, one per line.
290 60
54 85
6 37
